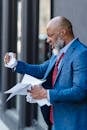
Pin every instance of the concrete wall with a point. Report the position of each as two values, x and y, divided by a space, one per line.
75 10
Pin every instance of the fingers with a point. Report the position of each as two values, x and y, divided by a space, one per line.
6 58
37 92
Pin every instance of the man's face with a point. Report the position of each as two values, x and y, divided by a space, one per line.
54 38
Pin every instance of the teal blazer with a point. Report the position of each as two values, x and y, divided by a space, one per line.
69 94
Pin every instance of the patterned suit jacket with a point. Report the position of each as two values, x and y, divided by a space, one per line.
69 94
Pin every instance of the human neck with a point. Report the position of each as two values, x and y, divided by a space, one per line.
68 39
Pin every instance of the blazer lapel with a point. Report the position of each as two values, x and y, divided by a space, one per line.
67 57
52 62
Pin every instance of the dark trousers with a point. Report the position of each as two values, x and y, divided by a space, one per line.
50 127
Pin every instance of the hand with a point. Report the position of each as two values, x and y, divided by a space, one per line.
7 57
10 60
38 92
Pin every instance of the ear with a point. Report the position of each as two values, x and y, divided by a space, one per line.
63 32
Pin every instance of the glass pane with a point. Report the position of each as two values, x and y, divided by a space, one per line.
44 17
14 102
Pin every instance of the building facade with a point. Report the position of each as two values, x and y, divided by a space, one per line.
23 31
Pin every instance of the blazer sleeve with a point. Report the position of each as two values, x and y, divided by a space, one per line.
31 69
78 91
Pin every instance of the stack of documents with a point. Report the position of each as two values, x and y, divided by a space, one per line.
22 87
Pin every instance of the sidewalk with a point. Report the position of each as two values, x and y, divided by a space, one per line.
2 126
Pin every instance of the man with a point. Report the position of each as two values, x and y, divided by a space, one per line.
67 90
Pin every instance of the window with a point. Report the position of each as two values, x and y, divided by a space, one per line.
44 17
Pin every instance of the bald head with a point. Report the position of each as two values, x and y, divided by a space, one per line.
60 22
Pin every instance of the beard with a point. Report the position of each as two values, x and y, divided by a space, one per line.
58 46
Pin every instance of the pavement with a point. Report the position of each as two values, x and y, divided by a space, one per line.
36 127
2 126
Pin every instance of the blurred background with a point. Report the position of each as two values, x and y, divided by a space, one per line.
23 31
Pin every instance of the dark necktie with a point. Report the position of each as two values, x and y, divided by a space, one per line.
54 75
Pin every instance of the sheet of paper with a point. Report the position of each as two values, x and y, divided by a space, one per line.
28 79
21 88
17 89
